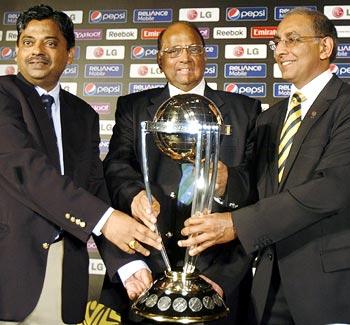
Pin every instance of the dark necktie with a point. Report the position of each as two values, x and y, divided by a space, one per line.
290 128
48 101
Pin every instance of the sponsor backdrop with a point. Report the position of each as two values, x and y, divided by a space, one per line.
116 51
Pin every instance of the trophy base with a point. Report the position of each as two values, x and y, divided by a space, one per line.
183 298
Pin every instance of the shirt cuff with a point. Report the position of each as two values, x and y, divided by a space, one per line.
127 270
101 223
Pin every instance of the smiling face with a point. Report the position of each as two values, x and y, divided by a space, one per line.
308 58
42 53
186 71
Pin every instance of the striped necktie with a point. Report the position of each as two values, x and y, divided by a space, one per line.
290 128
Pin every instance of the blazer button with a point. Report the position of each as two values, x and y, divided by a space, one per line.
77 222
67 215
173 195
82 224
46 245
72 219
269 256
169 234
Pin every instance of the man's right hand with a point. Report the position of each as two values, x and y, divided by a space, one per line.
122 230
143 211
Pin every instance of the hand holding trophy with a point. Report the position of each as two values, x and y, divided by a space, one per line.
187 128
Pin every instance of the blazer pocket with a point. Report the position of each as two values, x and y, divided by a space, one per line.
336 260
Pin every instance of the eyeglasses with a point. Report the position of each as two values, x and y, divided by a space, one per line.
176 51
290 41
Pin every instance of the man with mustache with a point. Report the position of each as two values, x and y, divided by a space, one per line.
52 191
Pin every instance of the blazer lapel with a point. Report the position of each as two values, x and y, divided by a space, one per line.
157 100
317 109
47 136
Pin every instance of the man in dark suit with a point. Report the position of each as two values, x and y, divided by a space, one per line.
300 227
50 172
181 57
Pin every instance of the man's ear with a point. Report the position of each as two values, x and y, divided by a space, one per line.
71 53
159 61
326 47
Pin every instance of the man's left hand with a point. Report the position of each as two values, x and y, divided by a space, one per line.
208 230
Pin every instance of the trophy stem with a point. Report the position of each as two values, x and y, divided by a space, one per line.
148 188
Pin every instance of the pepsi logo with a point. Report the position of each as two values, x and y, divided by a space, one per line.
231 87
192 14
238 51
96 16
90 88
98 52
142 70
138 52
233 14
6 52
10 69
338 12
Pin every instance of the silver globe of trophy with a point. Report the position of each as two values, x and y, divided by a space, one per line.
187 128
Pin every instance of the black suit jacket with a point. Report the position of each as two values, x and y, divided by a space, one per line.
35 198
304 223
226 264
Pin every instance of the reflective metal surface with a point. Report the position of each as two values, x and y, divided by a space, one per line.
180 298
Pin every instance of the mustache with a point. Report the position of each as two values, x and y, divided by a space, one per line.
38 59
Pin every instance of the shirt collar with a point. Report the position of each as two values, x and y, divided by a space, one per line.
314 87
198 90
55 92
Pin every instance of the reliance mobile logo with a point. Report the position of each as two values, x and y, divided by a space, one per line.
246 13
105 52
343 51
143 52
10 17
153 15
107 16
7 53
212 51
337 12
71 71
249 88
281 11
245 70
88 34
199 14
281 89
104 70
263 31
150 33
141 86
245 51
102 89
